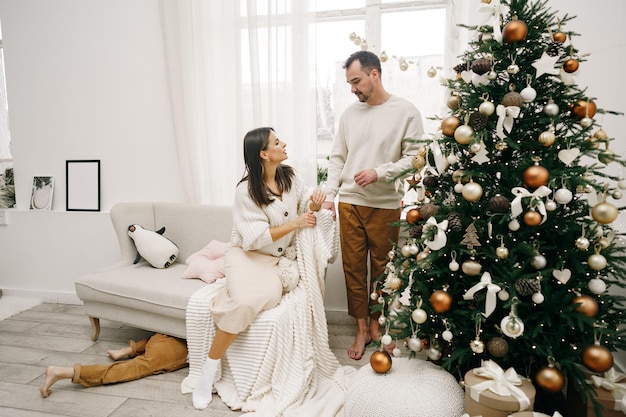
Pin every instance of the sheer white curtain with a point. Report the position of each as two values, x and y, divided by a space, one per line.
233 66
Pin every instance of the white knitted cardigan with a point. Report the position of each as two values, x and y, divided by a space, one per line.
282 365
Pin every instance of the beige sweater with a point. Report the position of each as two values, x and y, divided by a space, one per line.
373 137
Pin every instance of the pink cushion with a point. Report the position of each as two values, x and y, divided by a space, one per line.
208 263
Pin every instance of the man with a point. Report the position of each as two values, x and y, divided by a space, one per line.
372 148
158 354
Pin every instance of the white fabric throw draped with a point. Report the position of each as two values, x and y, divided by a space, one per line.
230 71
281 366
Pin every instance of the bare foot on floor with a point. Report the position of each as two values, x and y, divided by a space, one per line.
357 349
54 374
116 354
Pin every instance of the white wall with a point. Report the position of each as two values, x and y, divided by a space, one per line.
86 80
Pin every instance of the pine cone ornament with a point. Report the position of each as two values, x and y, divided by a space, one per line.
428 210
478 121
430 181
499 204
481 66
416 231
454 221
527 286
460 67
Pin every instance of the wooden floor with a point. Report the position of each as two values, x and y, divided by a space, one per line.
58 334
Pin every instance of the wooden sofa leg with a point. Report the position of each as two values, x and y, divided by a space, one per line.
95 328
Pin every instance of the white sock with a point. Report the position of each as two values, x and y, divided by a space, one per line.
203 393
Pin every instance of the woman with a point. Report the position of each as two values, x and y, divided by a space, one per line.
271 203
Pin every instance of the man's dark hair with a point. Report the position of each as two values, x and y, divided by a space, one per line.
368 60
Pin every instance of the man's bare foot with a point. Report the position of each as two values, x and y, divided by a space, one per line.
357 349
54 374
116 354
362 339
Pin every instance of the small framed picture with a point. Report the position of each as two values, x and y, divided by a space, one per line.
82 180
41 195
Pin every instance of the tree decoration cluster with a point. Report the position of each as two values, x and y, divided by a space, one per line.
510 254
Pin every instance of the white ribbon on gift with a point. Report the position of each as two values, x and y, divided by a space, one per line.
611 382
495 11
537 195
502 383
440 239
492 291
506 116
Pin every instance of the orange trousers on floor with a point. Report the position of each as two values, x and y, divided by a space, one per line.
365 234
158 354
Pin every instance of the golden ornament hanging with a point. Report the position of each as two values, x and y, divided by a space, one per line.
532 218
413 216
587 305
597 358
514 31
547 138
550 379
583 108
441 301
604 213
463 134
571 65
453 102
449 125
535 176
380 361
559 36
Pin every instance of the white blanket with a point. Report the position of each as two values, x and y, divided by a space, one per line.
281 366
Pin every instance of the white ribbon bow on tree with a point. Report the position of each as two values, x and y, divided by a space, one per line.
500 382
506 116
492 291
537 195
495 11
611 382
440 239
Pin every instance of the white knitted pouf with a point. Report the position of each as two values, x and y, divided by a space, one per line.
411 388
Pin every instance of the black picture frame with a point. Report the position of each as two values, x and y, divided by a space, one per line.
82 184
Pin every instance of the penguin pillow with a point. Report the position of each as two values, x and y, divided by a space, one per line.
156 249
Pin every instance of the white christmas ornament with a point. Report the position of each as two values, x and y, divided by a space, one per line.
528 94
596 286
567 156
415 344
563 196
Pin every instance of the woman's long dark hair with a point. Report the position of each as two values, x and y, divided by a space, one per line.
254 142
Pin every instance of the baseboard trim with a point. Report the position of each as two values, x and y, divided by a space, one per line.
45 296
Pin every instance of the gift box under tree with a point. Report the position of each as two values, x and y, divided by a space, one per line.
491 391
610 397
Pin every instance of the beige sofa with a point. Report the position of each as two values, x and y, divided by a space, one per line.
138 294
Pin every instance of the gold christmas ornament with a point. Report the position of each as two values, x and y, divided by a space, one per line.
431 72
582 108
547 138
454 102
487 108
418 162
559 36
472 191
535 176
514 31
600 134
449 125
380 361
571 65
413 216
604 213
471 268
532 218
441 301
586 305
597 358
597 262
550 379
463 134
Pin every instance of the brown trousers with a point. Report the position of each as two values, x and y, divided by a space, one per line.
365 233
159 354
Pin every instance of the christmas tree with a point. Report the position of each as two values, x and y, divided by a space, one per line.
511 255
